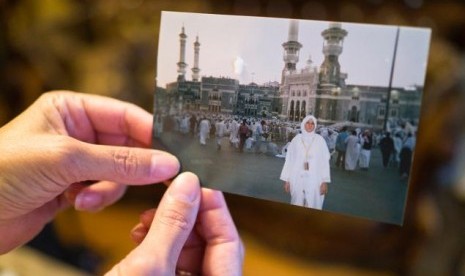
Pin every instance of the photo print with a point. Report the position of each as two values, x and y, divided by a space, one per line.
316 114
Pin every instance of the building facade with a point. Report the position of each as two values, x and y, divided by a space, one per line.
324 92
321 91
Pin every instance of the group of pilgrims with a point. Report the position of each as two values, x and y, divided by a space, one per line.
354 148
245 134
307 148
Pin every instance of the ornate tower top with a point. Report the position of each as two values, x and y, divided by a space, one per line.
330 72
182 56
291 49
196 69
293 34
334 38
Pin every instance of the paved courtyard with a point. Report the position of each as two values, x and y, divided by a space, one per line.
376 194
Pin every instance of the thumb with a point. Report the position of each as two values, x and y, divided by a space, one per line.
123 164
172 225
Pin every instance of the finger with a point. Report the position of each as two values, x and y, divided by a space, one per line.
119 164
175 216
172 224
191 255
146 218
72 191
139 232
224 252
88 116
98 196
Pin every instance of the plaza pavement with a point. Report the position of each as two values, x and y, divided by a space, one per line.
377 193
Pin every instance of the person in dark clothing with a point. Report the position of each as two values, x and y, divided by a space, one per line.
244 133
341 147
366 140
386 144
192 125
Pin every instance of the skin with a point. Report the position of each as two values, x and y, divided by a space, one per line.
63 140
309 126
212 247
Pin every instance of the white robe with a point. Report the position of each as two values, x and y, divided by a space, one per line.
204 129
234 133
184 125
220 128
397 148
364 161
352 152
305 184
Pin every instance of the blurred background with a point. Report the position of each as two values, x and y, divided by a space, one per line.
109 48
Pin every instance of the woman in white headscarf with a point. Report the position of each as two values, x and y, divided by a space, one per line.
306 171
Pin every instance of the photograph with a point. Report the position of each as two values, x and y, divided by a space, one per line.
317 114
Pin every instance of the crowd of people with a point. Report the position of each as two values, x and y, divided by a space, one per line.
351 147
245 134
309 150
354 149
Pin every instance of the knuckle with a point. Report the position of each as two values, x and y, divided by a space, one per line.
53 96
126 162
174 219
65 155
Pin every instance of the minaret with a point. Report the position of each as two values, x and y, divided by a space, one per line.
291 49
330 70
182 56
196 69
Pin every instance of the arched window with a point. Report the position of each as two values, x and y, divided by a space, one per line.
297 113
303 111
291 111
353 114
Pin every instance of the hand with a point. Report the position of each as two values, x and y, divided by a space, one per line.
287 186
323 188
55 143
191 231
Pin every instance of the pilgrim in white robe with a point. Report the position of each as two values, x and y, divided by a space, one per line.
184 125
220 129
365 152
305 184
204 131
364 160
234 133
352 152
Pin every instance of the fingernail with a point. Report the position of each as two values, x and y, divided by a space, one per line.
185 188
164 165
87 201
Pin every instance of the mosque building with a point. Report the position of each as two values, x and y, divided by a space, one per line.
217 94
322 91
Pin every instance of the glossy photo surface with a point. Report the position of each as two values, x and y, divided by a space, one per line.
318 114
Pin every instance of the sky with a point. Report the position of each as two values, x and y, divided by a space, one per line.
250 49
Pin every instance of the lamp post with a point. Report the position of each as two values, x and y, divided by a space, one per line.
388 100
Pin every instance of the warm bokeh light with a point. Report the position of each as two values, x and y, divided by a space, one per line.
109 48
